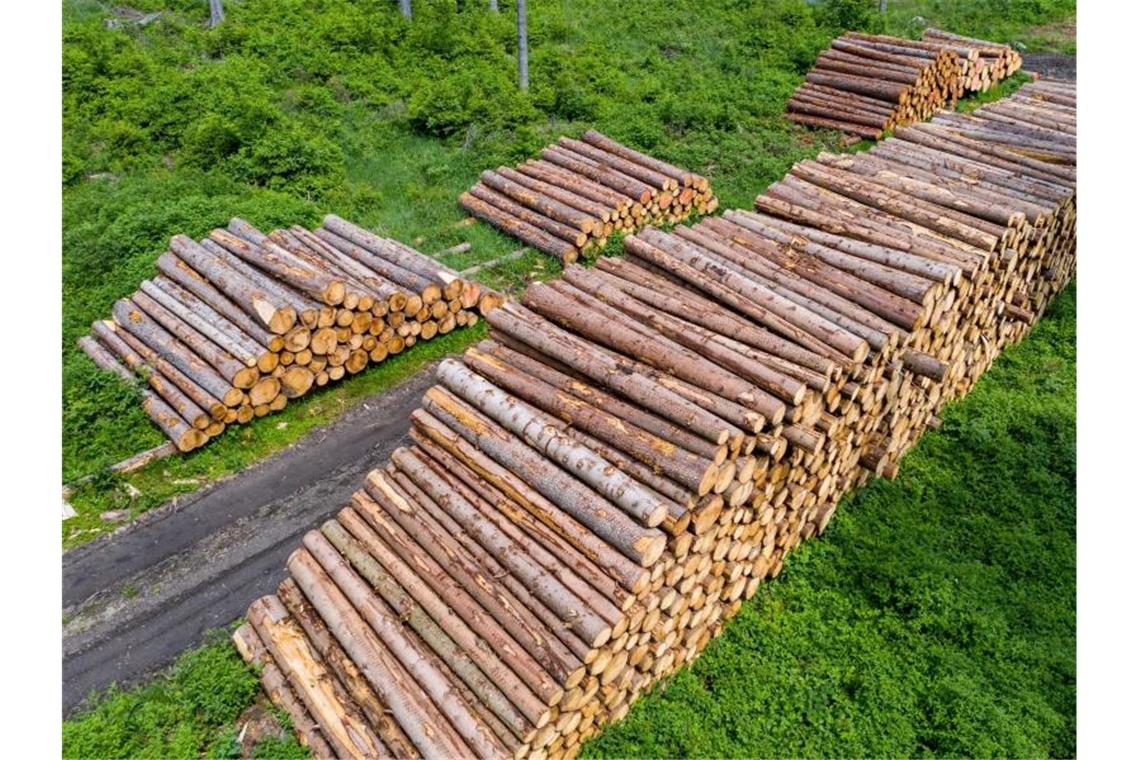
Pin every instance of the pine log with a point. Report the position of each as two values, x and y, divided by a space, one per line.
270 312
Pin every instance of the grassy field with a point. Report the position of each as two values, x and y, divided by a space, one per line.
937 616
294 108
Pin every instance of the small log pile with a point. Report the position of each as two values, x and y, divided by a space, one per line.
590 494
580 192
867 84
983 63
234 326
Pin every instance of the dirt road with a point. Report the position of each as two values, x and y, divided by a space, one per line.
136 599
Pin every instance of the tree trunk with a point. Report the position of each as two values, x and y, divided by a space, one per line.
537 430
253 651
441 625
340 663
347 729
395 641
524 64
406 8
269 310
217 13
643 545
434 436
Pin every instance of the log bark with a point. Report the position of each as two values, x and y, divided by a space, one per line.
271 313
441 627
580 355
539 431
337 660
641 544
181 274
148 332
433 434
414 691
342 724
683 466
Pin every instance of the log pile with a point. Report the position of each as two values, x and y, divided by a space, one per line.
589 495
983 63
580 192
234 326
867 84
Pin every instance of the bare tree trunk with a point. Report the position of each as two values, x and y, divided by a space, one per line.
406 8
495 6
217 13
524 65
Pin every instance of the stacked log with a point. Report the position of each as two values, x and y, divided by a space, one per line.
580 192
589 495
983 63
866 84
234 326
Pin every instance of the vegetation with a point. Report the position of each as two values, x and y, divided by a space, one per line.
295 108
937 615
191 711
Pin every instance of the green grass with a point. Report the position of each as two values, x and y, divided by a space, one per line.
1033 26
295 108
190 711
937 616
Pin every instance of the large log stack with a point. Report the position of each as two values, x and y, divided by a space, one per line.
983 63
867 84
234 326
580 192
592 492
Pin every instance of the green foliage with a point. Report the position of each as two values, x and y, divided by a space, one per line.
937 616
1036 26
188 712
841 15
295 108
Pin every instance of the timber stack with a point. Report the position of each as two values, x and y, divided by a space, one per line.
591 493
580 192
983 63
867 84
234 326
